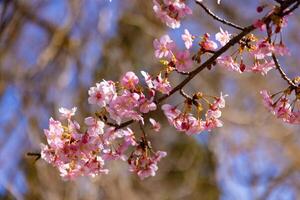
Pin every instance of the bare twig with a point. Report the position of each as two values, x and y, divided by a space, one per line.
276 62
36 155
208 11
282 73
185 95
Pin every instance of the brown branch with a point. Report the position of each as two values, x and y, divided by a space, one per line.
212 59
223 21
36 155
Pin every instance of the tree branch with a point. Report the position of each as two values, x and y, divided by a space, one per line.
212 59
209 12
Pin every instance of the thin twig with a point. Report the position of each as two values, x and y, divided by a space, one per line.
282 73
143 131
37 155
182 73
208 11
185 95
276 62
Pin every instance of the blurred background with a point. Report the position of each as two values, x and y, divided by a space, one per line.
52 51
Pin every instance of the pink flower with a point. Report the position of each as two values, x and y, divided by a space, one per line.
163 47
145 165
148 79
197 127
162 85
263 67
129 80
147 105
281 49
95 126
219 102
54 133
182 121
228 63
263 49
66 113
209 45
155 125
102 94
267 99
212 123
171 12
47 153
223 37
183 61
260 25
73 153
282 108
123 107
187 38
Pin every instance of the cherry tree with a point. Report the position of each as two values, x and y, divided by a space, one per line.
107 135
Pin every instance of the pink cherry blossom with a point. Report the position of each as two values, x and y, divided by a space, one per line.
260 25
54 133
187 38
95 126
228 63
184 62
281 50
181 121
163 47
208 44
264 67
145 165
66 113
72 153
147 105
102 94
162 85
223 37
155 125
187 123
123 107
282 108
262 50
148 79
129 80
171 11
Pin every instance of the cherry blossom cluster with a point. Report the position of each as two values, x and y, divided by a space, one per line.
105 136
84 153
186 122
182 60
71 151
76 152
171 12
284 105
261 52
